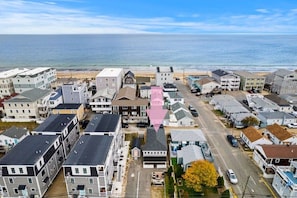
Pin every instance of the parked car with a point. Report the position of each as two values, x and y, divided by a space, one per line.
194 113
231 176
292 125
232 140
125 125
142 125
84 123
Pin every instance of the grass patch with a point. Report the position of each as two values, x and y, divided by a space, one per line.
218 112
29 125
174 161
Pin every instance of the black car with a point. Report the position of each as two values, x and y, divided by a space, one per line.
84 123
194 113
125 125
142 125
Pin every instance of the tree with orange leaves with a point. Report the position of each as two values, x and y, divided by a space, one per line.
201 173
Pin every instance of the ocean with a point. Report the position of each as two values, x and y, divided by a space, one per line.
183 52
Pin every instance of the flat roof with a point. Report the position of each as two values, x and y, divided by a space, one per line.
68 106
103 123
55 123
29 150
90 150
12 72
110 72
34 71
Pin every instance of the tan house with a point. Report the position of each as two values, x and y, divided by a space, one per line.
77 109
250 81
131 108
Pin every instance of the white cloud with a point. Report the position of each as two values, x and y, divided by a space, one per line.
28 17
262 10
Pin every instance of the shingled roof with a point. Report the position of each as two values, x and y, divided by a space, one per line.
279 151
279 132
252 133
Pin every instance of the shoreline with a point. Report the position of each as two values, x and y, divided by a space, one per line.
91 74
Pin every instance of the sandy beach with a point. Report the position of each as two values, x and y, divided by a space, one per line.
91 75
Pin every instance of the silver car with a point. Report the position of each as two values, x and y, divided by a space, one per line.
231 176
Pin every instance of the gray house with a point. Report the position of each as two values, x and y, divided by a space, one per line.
189 154
283 81
154 151
75 93
65 125
89 169
281 118
31 166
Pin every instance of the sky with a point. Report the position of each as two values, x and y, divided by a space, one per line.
148 16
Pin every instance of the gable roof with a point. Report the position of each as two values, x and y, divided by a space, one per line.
126 93
56 94
182 114
15 132
103 123
29 150
191 153
30 95
279 151
252 133
187 135
155 141
205 81
282 72
175 94
129 74
105 92
177 106
90 150
136 143
279 132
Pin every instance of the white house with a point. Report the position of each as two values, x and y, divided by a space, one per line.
40 77
227 80
173 97
282 104
252 137
279 135
101 101
189 154
6 81
110 78
10 137
207 85
28 106
164 75
269 157
280 118
285 180
184 118
56 98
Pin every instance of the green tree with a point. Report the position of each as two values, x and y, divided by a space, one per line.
201 173
250 121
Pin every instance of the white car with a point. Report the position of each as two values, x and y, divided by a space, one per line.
231 176
292 125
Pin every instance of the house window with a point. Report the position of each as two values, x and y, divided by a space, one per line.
91 181
102 189
21 170
11 180
43 172
30 180
76 170
72 181
12 170
90 190
16 191
84 170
